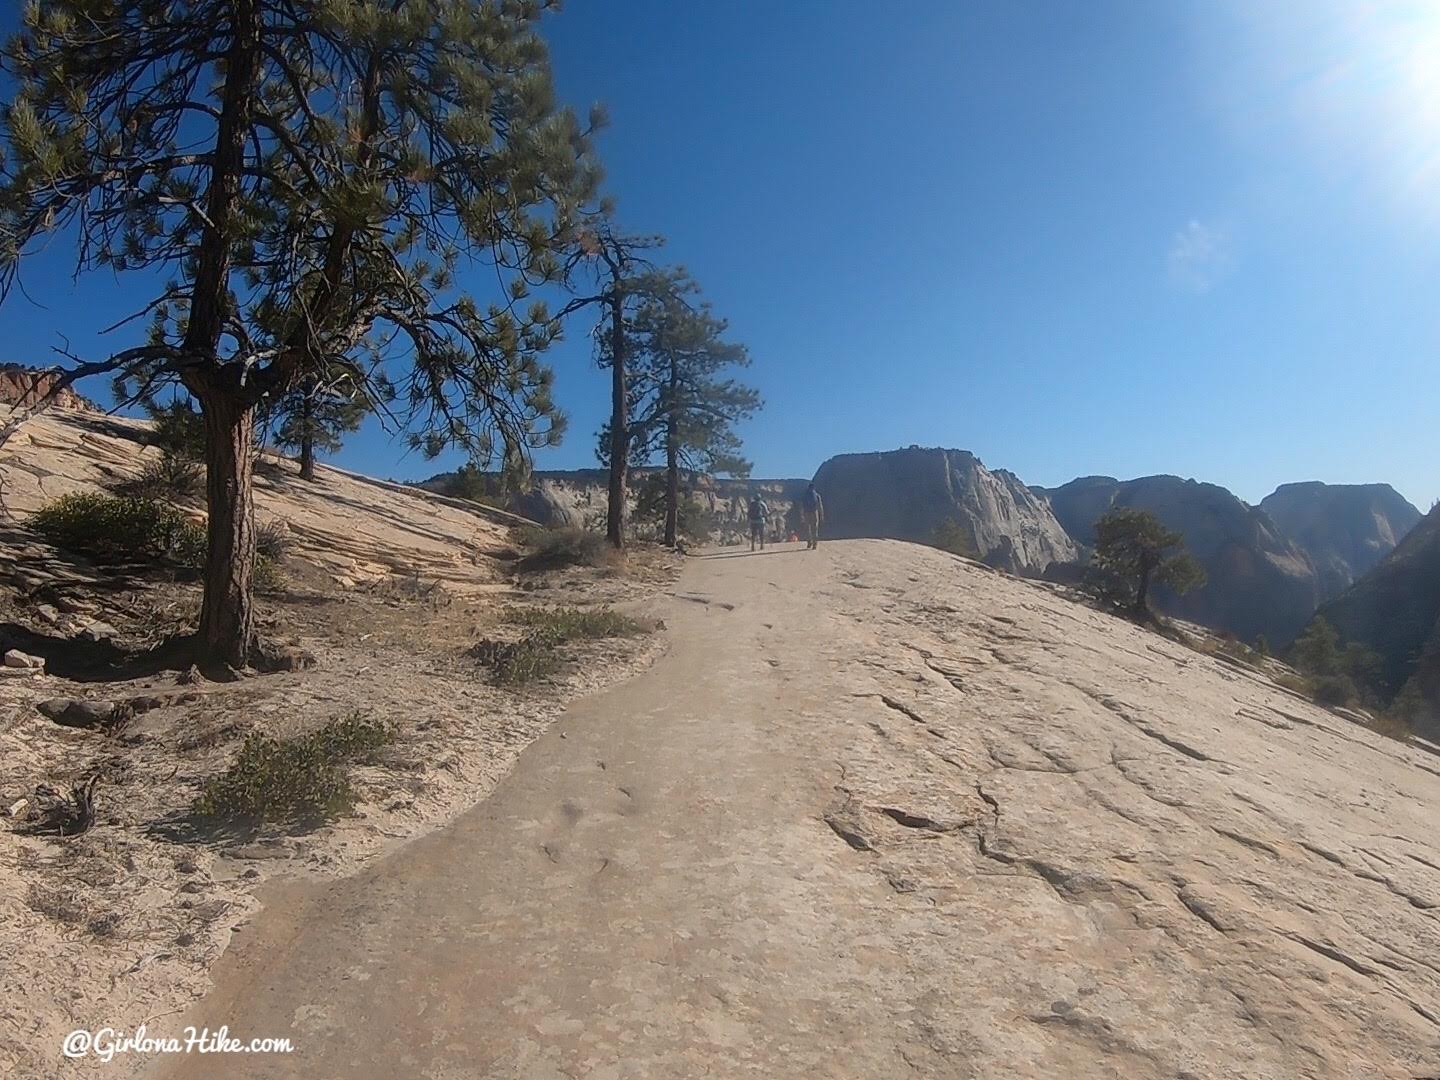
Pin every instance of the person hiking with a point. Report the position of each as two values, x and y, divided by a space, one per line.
758 513
812 509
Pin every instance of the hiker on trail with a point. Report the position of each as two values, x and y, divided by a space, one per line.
813 510
758 513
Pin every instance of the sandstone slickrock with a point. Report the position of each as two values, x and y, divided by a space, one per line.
1345 528
364 530
906 494
1258 580
1395 610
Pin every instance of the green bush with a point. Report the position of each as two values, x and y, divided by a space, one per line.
114 528
559 625
536 655
514 663
305 778
564 546
171 476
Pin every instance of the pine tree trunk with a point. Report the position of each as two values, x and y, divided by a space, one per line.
307 432
672 456
227 617
619 421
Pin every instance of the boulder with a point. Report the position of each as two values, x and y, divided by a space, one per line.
78 712
14 658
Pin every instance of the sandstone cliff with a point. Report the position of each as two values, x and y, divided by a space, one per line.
1345 528
906 494
1395 610
1259 581
26 387
578 497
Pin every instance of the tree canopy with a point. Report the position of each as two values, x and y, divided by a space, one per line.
292 180
1134 550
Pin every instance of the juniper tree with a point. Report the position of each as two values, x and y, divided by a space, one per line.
287 179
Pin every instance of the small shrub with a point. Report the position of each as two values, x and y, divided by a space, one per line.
565 546
1334 690
514 663
119 528
536 655
171 476
305 778
273 540
269 577
574 624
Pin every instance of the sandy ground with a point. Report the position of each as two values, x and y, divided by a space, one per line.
880 812
121 925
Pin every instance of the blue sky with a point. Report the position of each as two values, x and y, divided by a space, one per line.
1121 237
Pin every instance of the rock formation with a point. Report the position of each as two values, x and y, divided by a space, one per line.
1259 582
577 497
1395 610
1345 528
906 494
26 387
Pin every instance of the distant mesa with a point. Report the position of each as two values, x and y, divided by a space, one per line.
907 494
1346 529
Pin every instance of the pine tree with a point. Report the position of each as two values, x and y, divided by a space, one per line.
1137 551
621 273
317 413
301 176
689 408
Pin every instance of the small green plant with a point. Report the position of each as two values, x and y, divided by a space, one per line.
170 477
515 663
564 546
536 655
272 540
113 528
560 625
302 779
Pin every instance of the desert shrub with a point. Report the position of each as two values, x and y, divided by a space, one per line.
1334 690
304 778
950 535
564 546
171 476
114 528
514 663
536 655
559 625
272 540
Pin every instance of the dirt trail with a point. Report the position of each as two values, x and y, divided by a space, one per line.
880 812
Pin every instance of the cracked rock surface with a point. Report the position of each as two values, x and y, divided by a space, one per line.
880 812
